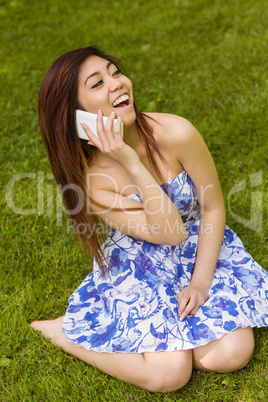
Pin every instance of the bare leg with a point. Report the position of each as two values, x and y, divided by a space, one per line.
231 352
157 372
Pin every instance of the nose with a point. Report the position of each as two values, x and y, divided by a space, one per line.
115 83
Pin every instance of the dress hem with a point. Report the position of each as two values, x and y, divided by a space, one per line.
166 350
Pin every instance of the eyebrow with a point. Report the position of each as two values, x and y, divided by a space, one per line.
97 72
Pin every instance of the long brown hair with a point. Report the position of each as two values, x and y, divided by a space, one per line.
67 154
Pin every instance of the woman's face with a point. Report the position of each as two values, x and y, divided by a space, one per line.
101 86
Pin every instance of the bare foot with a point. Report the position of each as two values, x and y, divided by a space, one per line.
49 329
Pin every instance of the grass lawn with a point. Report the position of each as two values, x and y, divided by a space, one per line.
205 60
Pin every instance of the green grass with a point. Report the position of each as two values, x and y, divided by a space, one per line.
205 60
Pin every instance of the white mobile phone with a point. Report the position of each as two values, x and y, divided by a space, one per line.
91 120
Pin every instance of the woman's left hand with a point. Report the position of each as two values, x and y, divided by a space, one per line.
190 299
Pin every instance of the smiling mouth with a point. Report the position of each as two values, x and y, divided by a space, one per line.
122 101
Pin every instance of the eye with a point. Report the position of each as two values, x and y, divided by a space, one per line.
97 84
117 72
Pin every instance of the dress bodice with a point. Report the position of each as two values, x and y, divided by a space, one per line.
182 192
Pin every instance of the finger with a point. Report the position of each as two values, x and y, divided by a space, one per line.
188 309
194 310
197 305
182 305
92 138
117 128
110 125
101 132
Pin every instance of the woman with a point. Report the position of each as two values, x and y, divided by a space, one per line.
172 288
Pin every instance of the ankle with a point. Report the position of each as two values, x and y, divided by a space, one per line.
57 336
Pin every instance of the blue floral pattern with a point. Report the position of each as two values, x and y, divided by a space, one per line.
133 308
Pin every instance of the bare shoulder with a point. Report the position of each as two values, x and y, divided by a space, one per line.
177 137
172 130
101 175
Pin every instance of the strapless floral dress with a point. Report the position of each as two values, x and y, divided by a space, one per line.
133 308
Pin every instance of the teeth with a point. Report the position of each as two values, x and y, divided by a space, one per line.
120 99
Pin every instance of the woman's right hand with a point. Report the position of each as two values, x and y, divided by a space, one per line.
109 140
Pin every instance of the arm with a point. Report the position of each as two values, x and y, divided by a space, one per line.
149 221
197 161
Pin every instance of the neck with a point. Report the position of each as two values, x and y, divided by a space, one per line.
132 135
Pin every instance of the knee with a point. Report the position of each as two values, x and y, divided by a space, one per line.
170 378
238 354
172 382
232 352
